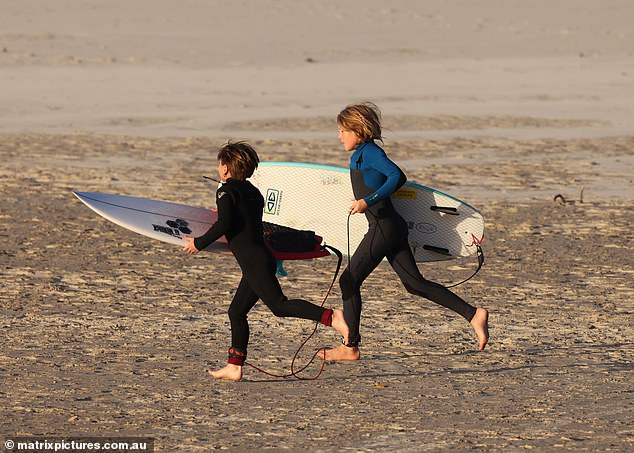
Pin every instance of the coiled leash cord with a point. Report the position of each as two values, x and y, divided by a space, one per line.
295 373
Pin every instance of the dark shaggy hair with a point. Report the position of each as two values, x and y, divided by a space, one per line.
240 158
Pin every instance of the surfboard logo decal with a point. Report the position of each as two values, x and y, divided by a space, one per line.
426 228
331 181
272 201
174 228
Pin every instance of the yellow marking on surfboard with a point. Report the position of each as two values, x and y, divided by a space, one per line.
405 192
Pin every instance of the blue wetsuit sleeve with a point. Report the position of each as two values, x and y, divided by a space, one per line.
226 212
395 178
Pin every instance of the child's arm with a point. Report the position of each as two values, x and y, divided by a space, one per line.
395 178
226 209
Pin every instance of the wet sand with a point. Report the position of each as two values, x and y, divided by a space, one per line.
107 333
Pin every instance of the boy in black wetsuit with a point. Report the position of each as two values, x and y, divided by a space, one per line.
240 206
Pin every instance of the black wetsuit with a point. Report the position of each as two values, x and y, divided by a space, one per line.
240 207
374 178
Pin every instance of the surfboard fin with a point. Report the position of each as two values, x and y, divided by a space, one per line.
445 210
441 250
280 269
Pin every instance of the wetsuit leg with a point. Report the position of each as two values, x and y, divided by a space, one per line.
246 297
243 301
366 258
267 287
402 261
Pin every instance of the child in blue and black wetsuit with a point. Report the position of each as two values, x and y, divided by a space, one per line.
240 206
374 178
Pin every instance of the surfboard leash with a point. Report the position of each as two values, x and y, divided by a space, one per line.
295 373
480 254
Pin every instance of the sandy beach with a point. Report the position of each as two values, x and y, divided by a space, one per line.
106 333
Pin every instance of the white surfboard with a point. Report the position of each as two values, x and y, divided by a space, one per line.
161 220
170 222
318 197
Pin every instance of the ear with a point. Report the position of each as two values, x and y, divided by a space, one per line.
226 172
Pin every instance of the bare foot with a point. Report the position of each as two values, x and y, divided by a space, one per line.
480 323
339 323
230 372
343 352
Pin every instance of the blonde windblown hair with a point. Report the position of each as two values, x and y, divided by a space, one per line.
363 119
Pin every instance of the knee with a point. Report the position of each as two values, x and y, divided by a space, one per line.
278 307
410 289
236 313
422 287
347 285
413 290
